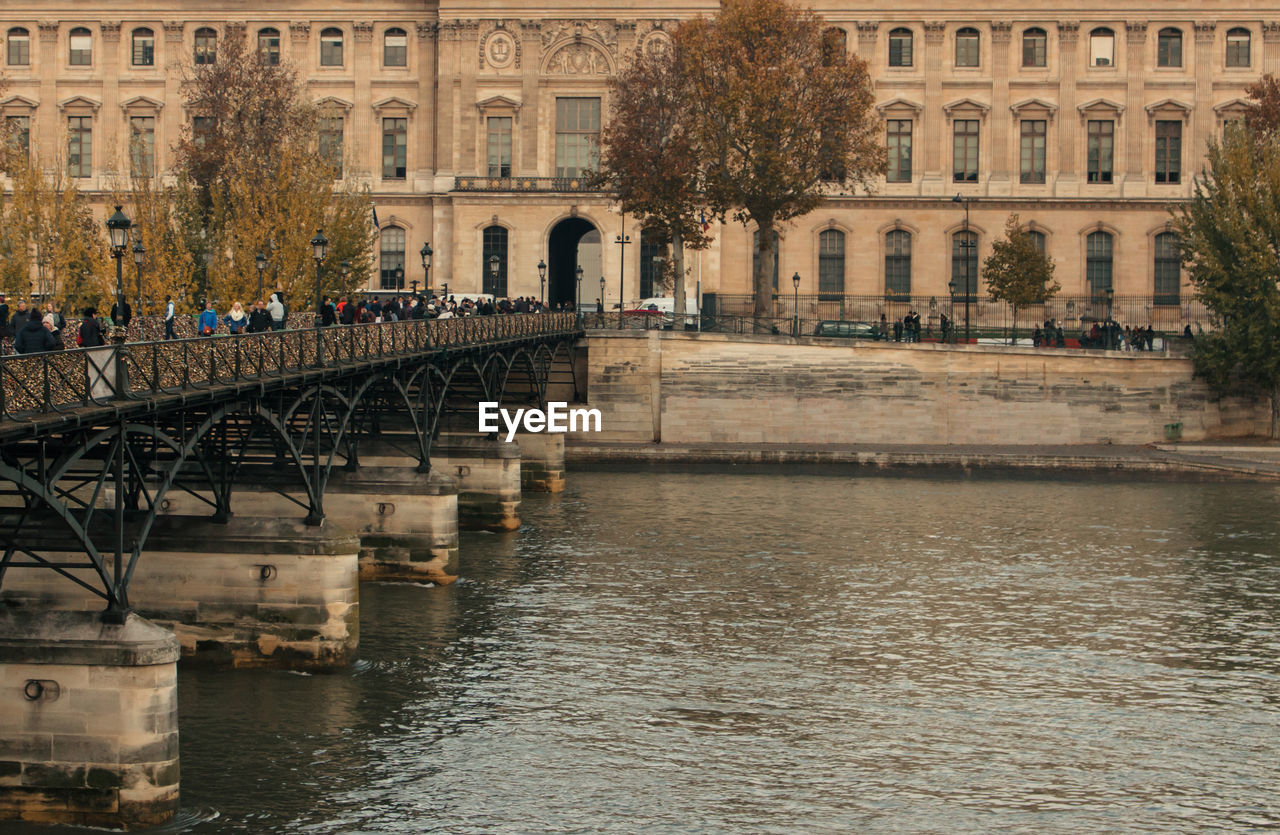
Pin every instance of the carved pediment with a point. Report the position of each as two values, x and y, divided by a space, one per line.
79 103
966 107
18 103
141 103
1168 108
898 104
1100 106
1034 107
578 58
395 103
333 103
498 103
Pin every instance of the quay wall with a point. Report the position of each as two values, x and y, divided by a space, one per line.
702 388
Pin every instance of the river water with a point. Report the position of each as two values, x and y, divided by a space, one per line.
772 653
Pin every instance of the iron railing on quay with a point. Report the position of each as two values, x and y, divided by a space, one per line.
1073 313
57 381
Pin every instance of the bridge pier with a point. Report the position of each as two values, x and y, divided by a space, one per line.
488 472
88 720
541 462
255 592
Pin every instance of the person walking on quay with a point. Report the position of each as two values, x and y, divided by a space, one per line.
168 318
207 324
90 333
276 310
33 337
236 320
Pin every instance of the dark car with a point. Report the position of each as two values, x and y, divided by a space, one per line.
846 330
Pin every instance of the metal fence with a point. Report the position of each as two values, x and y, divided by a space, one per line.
60 381
988 317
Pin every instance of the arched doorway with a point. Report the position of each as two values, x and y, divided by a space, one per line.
573 241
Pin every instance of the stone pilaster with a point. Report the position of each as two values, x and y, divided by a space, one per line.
933 130
1001 130
1201 126
1132 179
867 40
1068 178
1271 47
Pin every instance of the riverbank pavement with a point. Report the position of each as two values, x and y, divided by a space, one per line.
1249 460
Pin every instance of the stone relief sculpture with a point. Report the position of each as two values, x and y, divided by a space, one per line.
578 59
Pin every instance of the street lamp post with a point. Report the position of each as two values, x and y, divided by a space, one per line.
795 305
319 248
621 240
118 226
399 278
1111 329
577 308
426 254
494 263
951 285
542 278
601 310
139 253
260 261
966 247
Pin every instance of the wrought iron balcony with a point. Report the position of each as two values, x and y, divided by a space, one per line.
523 185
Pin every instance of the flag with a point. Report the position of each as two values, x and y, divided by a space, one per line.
703 217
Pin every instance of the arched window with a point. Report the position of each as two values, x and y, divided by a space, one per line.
144 47
834 45
1168 270
897 263
900 48
755 257
495 243
652 248
331 47
1038 239
80 43
395 48
967 41
1238 41
269 46
1035 47
19 51
1102 47
830 265
964 265
1169 48
206 49
391 258
1098 263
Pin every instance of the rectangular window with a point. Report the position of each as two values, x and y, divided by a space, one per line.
898 139
331 143
19 48
1238 49
142 145
81 49
144 49
1032 151
17 135
900 48
79 146
1168 152
395 144
1101 150
1034 48
967 42
201 127
965 158
206 51
395 49
331 49
1169 49
499 131
577 136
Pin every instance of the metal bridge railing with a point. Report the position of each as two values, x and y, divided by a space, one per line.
60 381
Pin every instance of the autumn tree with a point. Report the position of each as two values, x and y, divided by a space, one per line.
779 117
1263 117
1017 272
262 184
1229 234
649 159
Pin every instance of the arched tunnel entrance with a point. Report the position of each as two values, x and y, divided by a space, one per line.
573 241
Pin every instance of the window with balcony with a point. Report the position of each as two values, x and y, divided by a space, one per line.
498 130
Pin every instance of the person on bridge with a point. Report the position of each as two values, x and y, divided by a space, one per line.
236 320
19 320
33 338
123 316
259 319
207 324
327 314
168 318
276 310
90 333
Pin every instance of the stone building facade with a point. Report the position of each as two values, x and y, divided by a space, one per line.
472 122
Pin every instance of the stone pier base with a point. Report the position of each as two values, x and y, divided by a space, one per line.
488 473
88 720
541 462
254 592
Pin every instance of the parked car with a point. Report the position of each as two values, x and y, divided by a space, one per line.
846 330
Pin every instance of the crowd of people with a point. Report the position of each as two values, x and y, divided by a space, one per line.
37 329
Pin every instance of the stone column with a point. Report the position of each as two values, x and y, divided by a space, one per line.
488 472
867 42
46 134
933 130
1133 180
1068 177
1001 126
1270 47
88 720
541 462
1202 122
254 592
